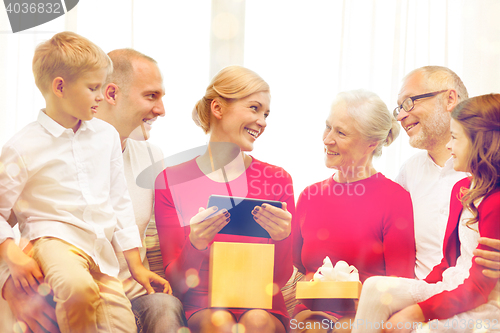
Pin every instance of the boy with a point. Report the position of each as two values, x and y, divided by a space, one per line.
62 176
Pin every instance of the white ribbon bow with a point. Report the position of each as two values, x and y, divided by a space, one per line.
341 272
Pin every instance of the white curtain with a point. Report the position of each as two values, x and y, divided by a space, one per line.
175 33
307 51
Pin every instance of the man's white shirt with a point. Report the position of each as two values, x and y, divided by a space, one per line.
430 188
137 157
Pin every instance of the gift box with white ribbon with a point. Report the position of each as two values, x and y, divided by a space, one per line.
332 289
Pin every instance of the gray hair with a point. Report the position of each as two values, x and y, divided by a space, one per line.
439 78
371 117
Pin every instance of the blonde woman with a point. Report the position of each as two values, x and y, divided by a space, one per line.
233 112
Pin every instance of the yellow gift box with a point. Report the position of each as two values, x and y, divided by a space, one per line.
334 296
241 275
328 289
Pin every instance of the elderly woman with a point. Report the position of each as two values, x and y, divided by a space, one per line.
357 215
233 112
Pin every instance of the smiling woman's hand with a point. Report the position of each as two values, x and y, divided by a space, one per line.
204 229
276 221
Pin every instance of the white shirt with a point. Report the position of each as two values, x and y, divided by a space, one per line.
430 188
70 186
468 236
137 156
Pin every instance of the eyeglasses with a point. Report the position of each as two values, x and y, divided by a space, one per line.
408 104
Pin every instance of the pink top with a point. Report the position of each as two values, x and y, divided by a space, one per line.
368 224
180 191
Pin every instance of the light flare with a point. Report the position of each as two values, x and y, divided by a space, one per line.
386 298
192 278
323 234
44 289
238 328
220 318
13 170
20 327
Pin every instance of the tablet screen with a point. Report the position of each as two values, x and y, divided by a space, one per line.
242 221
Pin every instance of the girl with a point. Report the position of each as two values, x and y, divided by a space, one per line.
455 296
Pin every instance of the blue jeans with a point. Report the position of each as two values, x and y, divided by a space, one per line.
157 313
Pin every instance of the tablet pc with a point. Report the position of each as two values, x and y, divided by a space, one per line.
242 222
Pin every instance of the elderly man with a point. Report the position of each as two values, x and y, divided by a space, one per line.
425 101
133 101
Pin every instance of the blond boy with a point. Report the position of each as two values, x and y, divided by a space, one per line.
63 179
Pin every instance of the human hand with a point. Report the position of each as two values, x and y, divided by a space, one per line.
204 229
398 321
276 221
151 281
34 311
489 259
25 272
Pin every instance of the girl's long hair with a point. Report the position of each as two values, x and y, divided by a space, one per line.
480 118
